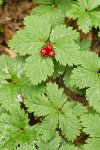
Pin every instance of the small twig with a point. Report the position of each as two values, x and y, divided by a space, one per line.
10 53
90 36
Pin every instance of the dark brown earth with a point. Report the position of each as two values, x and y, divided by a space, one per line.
12 14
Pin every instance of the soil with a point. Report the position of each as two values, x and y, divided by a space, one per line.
12 14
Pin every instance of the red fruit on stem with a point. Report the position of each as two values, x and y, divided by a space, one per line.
49 47
43 51
51 53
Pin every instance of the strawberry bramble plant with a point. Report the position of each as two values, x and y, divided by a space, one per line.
36 111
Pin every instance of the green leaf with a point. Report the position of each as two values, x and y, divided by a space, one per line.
92 143
56 96
83 11
27 147
25 43
40 105
38 68
54 14
57 111
11 71
58 70
11 68
99 34
61 32
82 77
39 27
2 110
89 4
67 80
93 95
91 124
86 75
53 144
55 10
48 127
15 130
14 83
85 22
95 16
78 108
1 2
90 60
68 147
69 125
9 96
33 37
62 39
84 44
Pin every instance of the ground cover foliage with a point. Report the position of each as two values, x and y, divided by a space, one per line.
51 101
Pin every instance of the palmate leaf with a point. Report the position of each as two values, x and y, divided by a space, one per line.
48 126
40 105
83 10
78 108
91 124
27 147
92 143
38 68
33 37
68 146
95 16
65 48
87 75
9 96
67 81
15 130
25 43
82 77
38 30
69 126
13 82
57 112
40 27
55 10
52 144
84 44
55 16
58 70
56 96
11 68
11 71
93 95
89 4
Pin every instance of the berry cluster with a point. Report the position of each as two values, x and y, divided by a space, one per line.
47 50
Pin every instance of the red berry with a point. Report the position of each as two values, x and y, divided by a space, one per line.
49 47
43 51
51 53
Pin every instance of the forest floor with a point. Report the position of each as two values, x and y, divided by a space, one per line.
12 14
